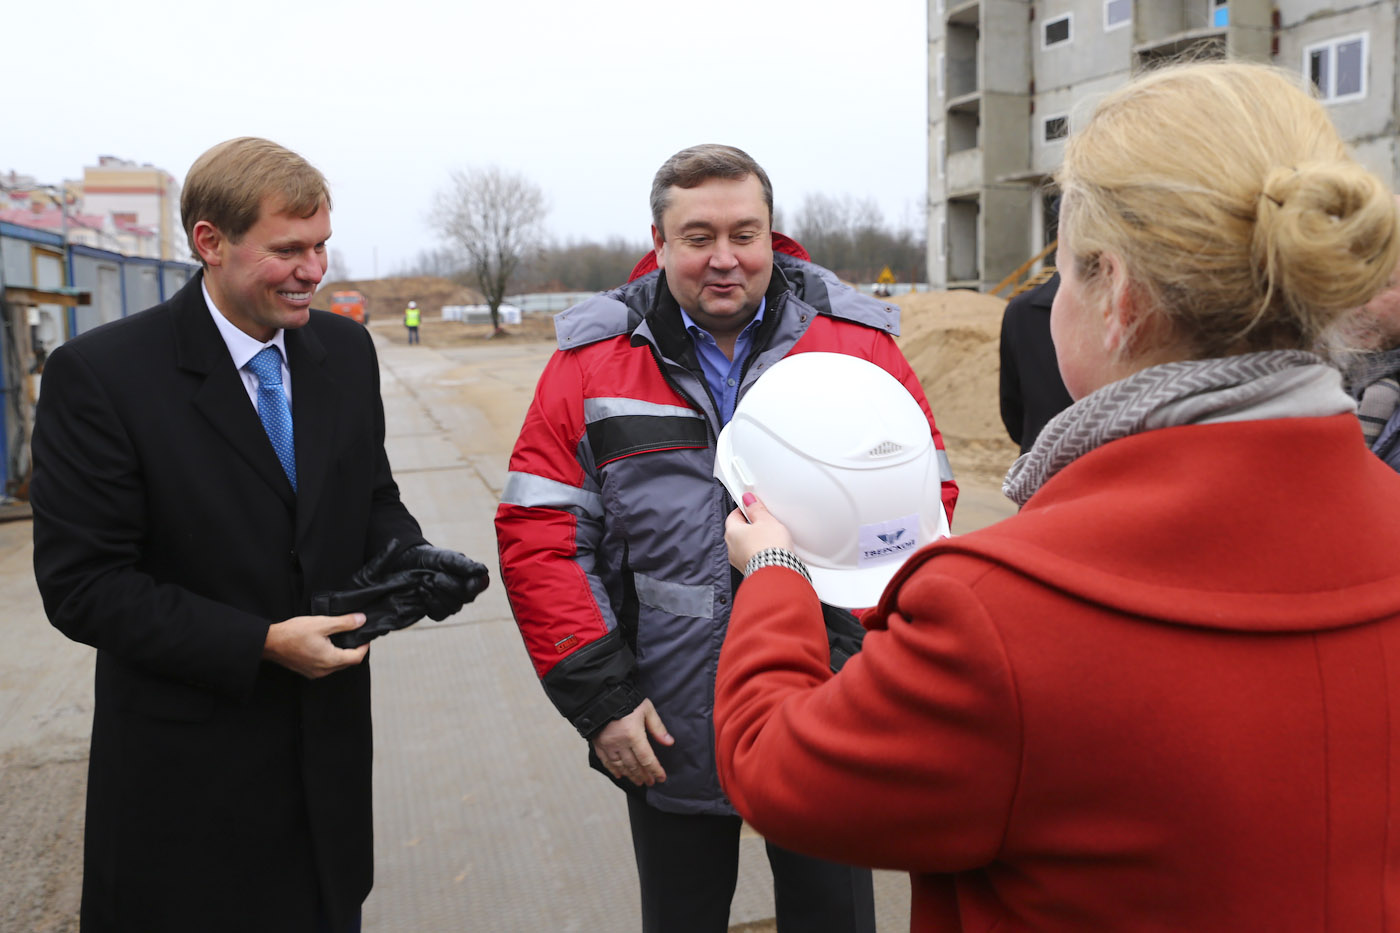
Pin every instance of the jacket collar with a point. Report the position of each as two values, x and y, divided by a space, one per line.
1238 526
663 325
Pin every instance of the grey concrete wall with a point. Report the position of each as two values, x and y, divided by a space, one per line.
1358 120
1091 51
1153 19
1005 142
102 278
142 286
1006 224
17 268
1005 47
964 171
937 246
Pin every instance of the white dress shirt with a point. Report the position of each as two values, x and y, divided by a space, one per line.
243 348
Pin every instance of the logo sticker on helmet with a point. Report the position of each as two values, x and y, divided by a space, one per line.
881 541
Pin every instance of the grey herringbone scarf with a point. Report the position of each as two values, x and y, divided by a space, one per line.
1249 387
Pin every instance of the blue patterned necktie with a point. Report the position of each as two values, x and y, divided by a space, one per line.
273 409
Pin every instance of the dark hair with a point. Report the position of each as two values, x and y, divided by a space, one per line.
691 167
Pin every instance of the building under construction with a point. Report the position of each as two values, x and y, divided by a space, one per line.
1009 80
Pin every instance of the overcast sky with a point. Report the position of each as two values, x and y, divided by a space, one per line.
386 98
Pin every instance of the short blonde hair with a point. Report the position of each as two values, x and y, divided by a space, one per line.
1233 205
227 184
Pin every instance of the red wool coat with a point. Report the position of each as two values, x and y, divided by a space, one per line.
1164 696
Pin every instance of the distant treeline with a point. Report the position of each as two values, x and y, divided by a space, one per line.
848 236
571 266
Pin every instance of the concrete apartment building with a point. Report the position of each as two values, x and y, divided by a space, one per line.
1010 79
137 195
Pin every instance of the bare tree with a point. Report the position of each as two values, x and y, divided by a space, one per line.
849 236
496 218
582 265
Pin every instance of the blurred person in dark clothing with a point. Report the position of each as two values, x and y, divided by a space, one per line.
1032 391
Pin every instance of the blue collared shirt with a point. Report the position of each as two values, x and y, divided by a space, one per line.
721 373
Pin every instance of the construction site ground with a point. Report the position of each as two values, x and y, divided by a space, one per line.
486 814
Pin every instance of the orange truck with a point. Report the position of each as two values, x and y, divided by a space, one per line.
350 304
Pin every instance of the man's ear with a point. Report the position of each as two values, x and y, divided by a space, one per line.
208 241
658 243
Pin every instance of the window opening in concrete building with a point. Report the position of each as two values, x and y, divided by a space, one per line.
962 130
1219 13
941 159
1117 13
1057 31
964 264
940 76
1338 67
1056 127
960 69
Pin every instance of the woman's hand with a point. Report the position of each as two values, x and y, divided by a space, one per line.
747 538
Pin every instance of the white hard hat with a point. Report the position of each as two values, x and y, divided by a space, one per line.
840 453
413 304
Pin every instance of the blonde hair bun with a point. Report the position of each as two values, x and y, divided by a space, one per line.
1322 234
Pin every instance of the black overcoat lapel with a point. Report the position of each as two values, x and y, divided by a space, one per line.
219 393
315 398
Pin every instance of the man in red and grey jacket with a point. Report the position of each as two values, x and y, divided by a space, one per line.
611 527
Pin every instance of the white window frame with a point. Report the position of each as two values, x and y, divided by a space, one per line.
1109 27
1045 28
1331 45
940 159
942 89
1213 7
1045 128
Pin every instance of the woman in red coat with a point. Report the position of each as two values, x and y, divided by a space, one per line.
1166 694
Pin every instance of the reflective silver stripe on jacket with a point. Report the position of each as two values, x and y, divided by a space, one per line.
596 409
682 599
535 492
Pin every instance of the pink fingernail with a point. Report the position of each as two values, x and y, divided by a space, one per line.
750 498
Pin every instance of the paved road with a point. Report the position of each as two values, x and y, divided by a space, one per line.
487 817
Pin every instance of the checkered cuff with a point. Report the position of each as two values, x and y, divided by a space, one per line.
777 557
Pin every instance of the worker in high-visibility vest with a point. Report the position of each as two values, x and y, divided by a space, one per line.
410 320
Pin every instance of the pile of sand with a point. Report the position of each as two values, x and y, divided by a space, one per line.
952 340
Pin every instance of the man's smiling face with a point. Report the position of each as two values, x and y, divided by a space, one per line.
716 246
264 282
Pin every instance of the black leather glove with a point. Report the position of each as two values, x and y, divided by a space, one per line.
389 603
455 579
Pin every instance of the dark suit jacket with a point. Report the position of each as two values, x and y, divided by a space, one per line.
224 792
1032 391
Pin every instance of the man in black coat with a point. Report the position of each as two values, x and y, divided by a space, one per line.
186 509
1032 391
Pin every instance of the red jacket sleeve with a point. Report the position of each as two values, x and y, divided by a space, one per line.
906 759
549 529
